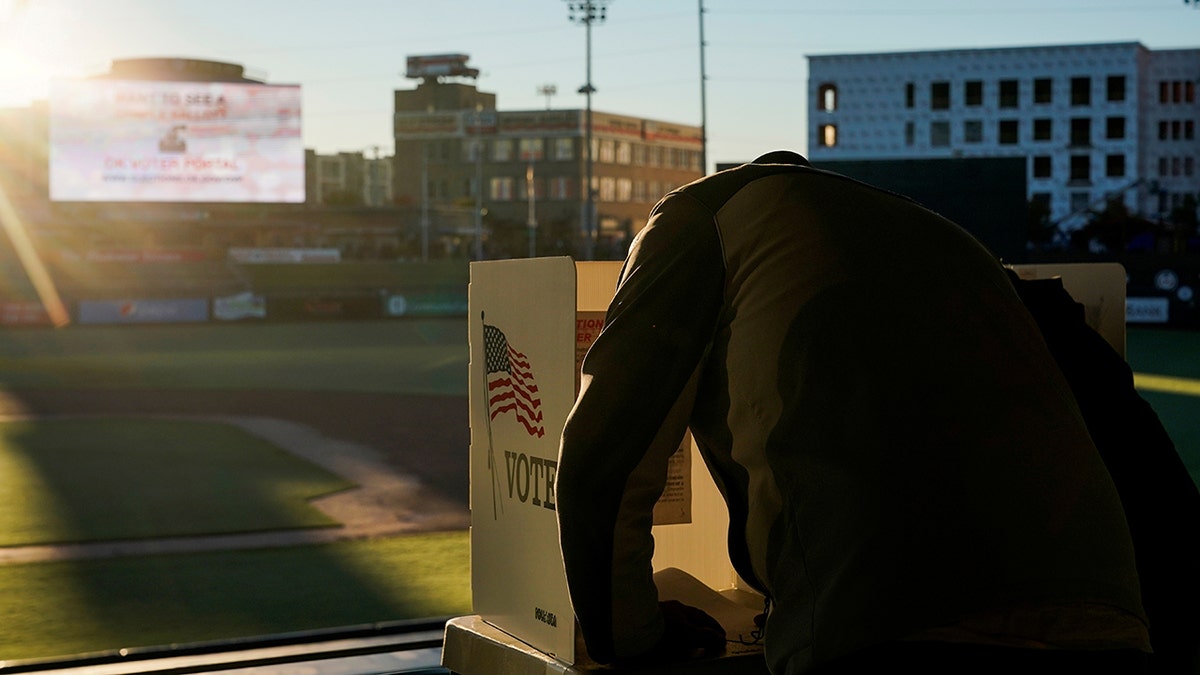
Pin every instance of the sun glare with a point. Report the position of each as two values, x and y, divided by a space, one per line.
33 50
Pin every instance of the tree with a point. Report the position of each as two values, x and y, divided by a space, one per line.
1113 229
1039 230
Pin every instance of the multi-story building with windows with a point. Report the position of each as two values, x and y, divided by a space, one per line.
348 179
1096 122
531 164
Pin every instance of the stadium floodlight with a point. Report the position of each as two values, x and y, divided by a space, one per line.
588 12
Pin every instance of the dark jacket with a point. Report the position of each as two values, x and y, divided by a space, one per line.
895 445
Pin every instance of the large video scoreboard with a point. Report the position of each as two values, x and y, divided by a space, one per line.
154 141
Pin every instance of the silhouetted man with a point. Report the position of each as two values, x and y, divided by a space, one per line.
908 477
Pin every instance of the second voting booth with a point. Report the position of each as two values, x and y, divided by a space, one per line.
530 323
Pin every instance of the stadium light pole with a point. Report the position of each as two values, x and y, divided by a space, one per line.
588 12
424 201
703 100
547 90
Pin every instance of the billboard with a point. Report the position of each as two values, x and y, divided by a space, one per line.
440 65
153 141
146 310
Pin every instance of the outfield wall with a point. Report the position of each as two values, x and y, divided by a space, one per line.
134 291
250 306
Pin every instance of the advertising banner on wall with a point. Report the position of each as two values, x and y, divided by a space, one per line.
152 141
182 310
284 256
426 303
247 305
327 307
23 313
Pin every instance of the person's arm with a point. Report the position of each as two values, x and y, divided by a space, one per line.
631 412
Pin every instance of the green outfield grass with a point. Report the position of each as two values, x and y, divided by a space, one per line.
103 479
1174 354
399 356
66 608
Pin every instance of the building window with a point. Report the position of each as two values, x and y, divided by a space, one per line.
827 96
624 153
531 149
1114 166
500 189
1081 132
973 131
608 189
564 149
1043 199
1043 129
639 191
910 95
1176 128
608 152
1009 94
331 168
502 150
1176 91
1010 132
624 189
1116 87
1081 91
1164 166
1189 129
1041 166
471 150
639 154
1189 166
828 135
939 134
1114 128
1164 128
1081 169
1080 201
560 188
1175 166
973 92
1043 90
910 133
655 155
939 95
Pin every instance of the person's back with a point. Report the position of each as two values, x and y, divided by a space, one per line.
901 458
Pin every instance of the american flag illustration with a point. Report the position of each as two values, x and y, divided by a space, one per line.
510 383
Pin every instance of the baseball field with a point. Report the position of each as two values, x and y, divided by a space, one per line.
181 484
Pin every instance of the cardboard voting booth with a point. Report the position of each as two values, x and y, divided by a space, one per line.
1099 287
530 323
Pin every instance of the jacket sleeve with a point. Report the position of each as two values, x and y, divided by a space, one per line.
631 413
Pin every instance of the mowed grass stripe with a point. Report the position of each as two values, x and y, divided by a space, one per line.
71 607
1166 384
77 480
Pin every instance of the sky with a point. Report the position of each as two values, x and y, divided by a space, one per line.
349 55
